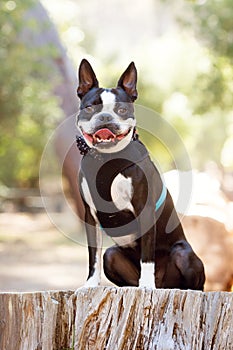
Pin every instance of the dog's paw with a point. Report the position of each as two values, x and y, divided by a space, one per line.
147 278
89 284
80 290
148 283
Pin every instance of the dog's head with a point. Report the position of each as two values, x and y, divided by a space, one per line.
106 119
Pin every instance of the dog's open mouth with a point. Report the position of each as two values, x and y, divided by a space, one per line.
104 136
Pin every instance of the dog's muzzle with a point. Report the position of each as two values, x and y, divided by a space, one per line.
105 136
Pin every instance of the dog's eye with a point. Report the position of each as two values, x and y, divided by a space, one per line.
122 111
89 109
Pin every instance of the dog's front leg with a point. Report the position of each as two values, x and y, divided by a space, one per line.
147 276
94 240
95 257
148 242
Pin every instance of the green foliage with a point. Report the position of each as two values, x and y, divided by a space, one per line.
211 22
213 25
208 129
27 108
189 82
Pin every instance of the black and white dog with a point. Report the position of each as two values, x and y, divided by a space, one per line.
124 195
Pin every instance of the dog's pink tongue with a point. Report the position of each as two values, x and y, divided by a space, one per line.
104 134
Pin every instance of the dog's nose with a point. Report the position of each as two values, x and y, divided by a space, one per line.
105 117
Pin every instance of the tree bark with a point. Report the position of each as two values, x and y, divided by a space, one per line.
116 318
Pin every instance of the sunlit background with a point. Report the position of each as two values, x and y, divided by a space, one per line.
183 51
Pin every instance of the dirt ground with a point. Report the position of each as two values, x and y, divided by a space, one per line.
35 255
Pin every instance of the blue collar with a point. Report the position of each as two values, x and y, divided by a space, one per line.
162 198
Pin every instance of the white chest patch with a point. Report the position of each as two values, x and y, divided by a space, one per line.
128 240
122 192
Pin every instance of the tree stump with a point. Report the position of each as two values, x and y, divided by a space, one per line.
117 318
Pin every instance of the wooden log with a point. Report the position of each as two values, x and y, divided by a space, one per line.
117 318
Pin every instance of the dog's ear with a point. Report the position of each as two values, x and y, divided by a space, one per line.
128 81
87 78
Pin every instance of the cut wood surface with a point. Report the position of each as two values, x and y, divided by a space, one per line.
116 318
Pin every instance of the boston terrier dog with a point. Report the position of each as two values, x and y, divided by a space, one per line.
124 195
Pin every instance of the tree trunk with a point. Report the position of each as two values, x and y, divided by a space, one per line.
116 318
65 88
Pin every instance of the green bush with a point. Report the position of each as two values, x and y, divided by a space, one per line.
28 109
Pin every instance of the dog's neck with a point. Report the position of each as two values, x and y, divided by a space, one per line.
84 149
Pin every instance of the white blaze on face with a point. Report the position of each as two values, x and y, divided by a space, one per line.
109 100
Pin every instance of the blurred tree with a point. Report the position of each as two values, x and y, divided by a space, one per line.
203 88
28 109
211 22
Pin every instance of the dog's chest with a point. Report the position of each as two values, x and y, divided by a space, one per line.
105 193
111 207
108 185
122 192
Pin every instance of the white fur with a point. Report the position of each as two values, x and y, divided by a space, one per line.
108 99
122 192
95 279
88 198
123 143
128 240
147 278
89 125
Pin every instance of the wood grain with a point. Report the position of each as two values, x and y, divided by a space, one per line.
116 318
